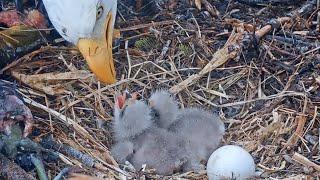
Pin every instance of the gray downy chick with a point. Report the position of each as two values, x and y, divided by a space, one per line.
161 150
202 132
165 106
140 142
122 150
131 118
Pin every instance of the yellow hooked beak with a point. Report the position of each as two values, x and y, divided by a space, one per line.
98 53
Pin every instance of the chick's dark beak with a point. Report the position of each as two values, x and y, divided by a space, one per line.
127 95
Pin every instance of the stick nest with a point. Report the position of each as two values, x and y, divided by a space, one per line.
268 93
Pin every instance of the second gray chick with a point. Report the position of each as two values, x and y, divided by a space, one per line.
202 131
165 107
140 142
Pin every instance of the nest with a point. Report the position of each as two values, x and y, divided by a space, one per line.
266 87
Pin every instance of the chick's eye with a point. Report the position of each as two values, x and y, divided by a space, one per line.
99 12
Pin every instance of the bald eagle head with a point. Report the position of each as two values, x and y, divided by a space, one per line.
88 24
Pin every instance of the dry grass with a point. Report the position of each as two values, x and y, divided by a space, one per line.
268 94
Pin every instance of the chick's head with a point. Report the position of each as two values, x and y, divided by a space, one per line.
131 116
166 107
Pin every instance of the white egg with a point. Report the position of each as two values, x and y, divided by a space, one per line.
230 162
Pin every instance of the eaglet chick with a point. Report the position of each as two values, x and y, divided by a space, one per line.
140 142
201 131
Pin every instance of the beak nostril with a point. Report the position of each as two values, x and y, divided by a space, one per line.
96 49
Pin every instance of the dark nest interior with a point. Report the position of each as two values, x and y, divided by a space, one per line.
256 63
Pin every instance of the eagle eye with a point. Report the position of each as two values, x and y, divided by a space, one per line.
99 12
